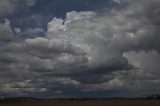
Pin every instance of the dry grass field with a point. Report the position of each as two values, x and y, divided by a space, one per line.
87 103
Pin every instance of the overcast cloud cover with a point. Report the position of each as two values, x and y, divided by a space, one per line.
109 53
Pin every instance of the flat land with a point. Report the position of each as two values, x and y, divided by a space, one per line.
137 102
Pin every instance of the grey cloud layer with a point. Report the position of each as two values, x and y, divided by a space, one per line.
10 6
87 51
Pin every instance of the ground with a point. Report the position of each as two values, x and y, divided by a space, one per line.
137 102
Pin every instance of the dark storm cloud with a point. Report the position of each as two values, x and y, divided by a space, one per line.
85 52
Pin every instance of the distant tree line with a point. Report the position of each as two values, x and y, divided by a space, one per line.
153 96
30 99
18 99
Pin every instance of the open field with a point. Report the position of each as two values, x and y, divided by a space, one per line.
136 102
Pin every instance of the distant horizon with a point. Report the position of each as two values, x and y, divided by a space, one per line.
150 96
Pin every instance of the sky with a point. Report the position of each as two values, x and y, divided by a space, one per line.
79 48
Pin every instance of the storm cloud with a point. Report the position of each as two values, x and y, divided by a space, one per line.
85 52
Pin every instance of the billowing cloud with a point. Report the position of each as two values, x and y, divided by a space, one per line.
88 52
